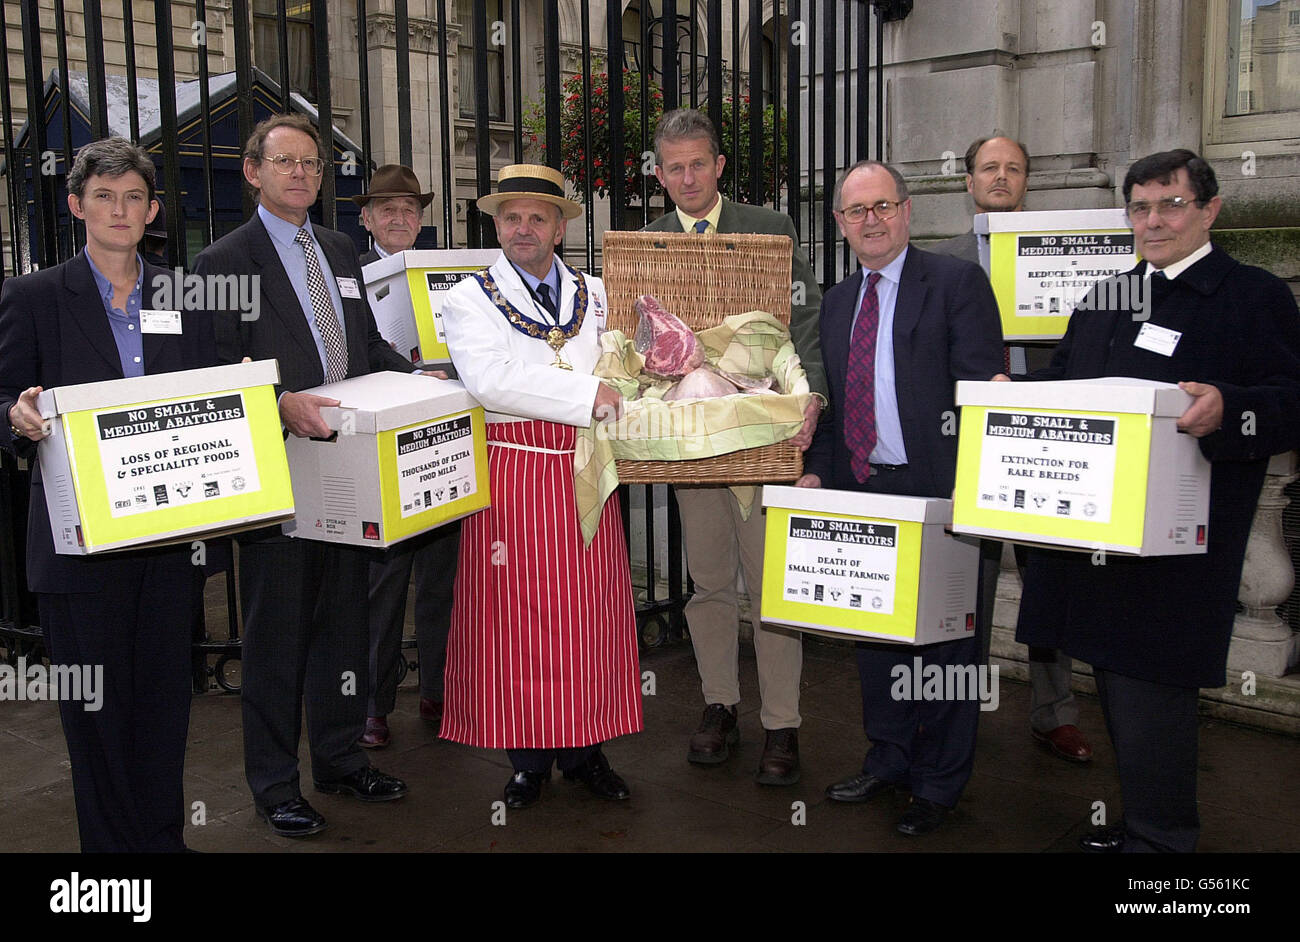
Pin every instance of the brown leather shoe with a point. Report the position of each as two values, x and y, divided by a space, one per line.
376 733
1066 742
431 711
718 732
780 762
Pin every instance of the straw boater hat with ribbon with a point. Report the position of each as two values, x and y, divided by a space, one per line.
529 181
394 180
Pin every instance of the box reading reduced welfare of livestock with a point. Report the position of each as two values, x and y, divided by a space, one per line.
408 453
1083 464
162 458
867 566
1042 264
406 292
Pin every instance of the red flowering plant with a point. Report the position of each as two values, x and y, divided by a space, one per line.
638 172
573 117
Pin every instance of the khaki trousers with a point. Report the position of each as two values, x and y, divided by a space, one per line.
718 542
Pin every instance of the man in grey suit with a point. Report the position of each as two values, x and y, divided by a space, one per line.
997 176
391 211
719 538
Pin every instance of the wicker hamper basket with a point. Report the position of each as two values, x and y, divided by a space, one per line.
702 279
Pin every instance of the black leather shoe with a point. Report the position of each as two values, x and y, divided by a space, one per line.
368 784
524 788
711 744
859 788
1104 840
293 818
921 817
603 781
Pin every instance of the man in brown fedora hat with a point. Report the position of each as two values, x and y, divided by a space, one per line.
391 210
542 658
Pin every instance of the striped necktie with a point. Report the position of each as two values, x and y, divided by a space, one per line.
327 322
860 385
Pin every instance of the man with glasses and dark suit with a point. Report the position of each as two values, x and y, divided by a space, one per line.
899 334
305 602
1156 629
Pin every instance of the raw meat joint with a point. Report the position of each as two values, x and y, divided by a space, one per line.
669 346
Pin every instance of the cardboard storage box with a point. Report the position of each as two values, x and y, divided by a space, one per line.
406 292
1085 464
164 458
409 454
867 566
1042 264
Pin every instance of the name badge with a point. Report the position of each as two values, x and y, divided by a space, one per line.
160 322
1159 340
348 287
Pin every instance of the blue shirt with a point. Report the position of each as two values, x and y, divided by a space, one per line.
552 281
125 323
889 431
283 233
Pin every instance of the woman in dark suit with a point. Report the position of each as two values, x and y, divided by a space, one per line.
127 613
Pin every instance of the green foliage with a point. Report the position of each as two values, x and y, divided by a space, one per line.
637 184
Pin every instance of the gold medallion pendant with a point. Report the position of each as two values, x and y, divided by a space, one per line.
555 338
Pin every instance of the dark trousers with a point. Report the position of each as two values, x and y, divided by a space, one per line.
433 562
539 760
929 744
1153 728
305 616
128 756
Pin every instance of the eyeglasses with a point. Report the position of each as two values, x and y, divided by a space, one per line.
283 163
884 209
1171 207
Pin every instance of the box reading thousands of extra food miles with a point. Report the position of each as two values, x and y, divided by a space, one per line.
1042 264
408 453
162 458
1083 464
406 292
867 566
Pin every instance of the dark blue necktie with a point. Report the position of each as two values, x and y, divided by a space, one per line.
544 291
702 226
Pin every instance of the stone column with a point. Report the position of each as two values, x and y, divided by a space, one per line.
1261 641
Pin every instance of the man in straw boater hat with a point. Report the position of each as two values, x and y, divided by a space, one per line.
391 210
542 658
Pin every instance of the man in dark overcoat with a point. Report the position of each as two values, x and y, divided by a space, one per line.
1156 629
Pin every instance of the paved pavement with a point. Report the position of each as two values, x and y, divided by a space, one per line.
1020 799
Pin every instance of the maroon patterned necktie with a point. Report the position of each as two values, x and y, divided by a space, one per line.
860 387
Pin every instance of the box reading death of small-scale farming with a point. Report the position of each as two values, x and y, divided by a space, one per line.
408 453
867 566
1081 464
157 459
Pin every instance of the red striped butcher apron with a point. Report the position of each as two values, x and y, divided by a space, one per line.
542 651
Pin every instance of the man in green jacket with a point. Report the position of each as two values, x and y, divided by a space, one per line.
689 162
